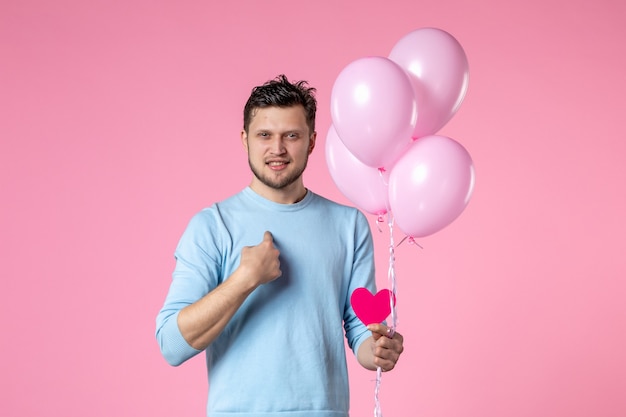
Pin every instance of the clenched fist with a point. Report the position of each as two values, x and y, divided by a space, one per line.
260 262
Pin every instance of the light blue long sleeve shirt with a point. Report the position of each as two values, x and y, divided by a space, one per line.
282 354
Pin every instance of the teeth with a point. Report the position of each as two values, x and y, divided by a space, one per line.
275 164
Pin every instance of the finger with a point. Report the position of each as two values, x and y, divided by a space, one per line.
385 343
388 348
379 330
267 236
386 363
388 366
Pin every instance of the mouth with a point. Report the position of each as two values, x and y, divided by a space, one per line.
277 165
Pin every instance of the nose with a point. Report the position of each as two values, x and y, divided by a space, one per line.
277 147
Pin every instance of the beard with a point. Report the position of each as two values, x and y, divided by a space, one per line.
278 183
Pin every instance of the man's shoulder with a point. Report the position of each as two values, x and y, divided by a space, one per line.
327 200
232 200
207 213
337 207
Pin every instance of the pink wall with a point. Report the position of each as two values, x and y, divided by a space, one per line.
119 120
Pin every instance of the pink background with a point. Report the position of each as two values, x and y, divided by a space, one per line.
120 120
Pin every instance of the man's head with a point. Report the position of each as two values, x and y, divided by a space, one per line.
279 135
280 92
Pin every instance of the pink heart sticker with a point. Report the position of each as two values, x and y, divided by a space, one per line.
371 308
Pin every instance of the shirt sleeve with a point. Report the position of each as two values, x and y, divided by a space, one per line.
363 275
195 274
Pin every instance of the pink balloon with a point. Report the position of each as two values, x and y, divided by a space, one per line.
439 73
430 185
365 186
374 110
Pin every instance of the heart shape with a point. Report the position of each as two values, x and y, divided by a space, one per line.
371 308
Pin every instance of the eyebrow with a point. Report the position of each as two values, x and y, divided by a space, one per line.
285 132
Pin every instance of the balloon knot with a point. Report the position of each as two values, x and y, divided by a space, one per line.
413 242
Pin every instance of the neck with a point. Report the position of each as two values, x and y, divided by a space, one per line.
288 195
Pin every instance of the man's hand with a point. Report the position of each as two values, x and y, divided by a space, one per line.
260 262
382 350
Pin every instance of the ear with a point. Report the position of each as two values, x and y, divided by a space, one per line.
312 142
244 139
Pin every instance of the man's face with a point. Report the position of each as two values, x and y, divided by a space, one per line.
279 144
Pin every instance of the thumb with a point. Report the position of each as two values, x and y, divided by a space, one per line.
267 236
376 336
378 330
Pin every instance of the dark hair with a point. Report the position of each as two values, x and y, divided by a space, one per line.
280 92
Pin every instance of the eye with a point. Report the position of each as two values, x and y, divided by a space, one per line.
292 135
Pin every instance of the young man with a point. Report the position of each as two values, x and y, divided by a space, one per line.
263 279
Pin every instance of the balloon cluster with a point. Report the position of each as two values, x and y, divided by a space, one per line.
382 149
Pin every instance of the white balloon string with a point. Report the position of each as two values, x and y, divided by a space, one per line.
377 411
391 275
381 174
